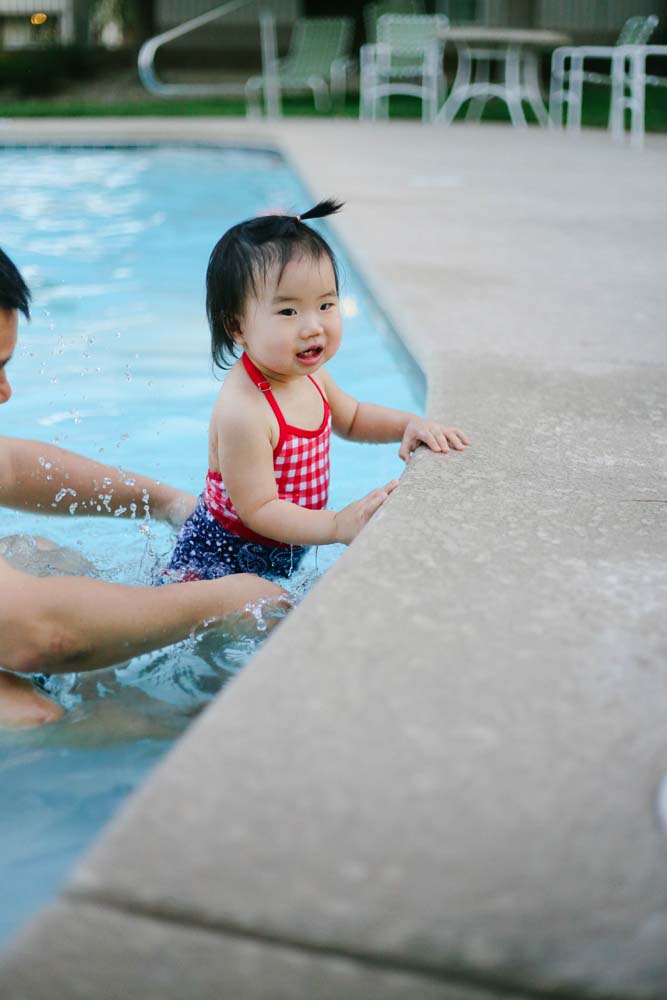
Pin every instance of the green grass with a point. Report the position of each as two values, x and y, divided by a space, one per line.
596 108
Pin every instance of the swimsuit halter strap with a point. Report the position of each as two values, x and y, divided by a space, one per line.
264 386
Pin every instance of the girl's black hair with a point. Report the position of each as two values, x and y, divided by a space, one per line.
242 259
14 293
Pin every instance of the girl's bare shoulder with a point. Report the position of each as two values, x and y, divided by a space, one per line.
239 403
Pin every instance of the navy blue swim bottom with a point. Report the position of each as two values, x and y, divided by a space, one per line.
206 551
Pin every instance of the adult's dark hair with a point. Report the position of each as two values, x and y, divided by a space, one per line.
242 259
14 293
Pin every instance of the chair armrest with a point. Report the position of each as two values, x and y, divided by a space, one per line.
342 64
374 55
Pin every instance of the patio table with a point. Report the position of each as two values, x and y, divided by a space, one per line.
516 49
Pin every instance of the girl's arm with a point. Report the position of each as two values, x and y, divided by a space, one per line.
380 424
43 478
61 624
246 464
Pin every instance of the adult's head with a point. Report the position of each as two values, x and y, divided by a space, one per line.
14 298
250 256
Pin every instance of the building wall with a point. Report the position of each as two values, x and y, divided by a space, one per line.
588 19
591 15
235 32
17 31
172 12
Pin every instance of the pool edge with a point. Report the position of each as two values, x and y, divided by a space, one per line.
549 975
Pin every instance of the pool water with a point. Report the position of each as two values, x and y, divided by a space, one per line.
115 364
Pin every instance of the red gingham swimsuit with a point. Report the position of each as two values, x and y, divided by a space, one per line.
300 465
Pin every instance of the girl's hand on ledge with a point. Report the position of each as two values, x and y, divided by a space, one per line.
434 435
349 521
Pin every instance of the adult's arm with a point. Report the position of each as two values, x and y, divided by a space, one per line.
50 480
63 624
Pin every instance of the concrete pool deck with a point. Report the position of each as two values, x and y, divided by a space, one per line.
444 776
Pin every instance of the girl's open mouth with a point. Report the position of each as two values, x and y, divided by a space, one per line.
311 355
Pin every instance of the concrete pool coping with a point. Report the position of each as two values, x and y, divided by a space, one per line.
444 775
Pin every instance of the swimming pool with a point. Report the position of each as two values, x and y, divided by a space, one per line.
115 364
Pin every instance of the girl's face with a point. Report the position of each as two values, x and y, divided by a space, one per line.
294 326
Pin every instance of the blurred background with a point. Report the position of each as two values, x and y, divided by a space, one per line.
77 57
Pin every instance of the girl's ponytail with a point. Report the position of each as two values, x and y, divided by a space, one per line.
323 208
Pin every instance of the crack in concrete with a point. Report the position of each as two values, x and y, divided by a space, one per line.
188 919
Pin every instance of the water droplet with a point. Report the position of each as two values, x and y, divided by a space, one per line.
65 491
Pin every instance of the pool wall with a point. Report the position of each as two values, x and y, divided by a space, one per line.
442 776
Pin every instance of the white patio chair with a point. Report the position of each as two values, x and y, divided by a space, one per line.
629 92
374 11
406 59
567 82
318 60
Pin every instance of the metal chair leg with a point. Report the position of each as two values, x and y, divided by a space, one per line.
457 95
480 76
513 85
637 98
618 86
320 93
575 93
531 85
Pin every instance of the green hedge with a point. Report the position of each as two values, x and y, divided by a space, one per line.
43 70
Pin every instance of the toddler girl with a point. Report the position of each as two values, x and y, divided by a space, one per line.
272 293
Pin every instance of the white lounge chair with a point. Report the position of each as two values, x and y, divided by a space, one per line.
318 60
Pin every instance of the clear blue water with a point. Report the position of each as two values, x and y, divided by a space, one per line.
115 365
